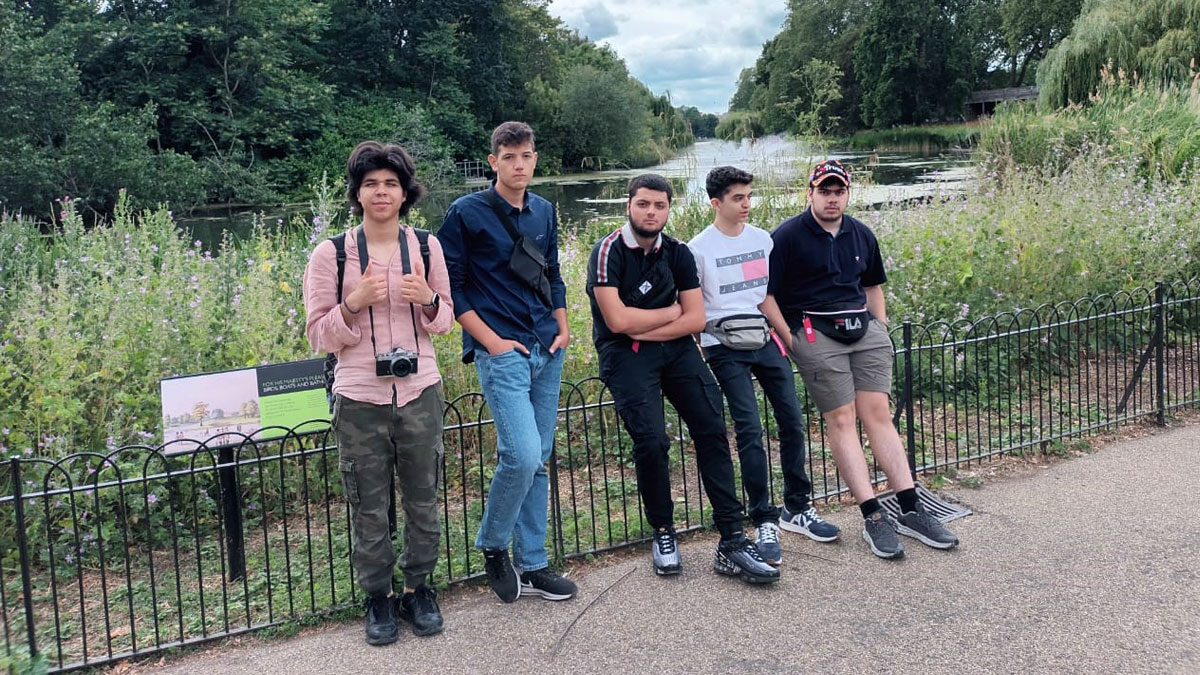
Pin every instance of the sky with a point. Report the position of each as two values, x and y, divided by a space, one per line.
693 49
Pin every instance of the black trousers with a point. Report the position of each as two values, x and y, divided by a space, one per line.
638 381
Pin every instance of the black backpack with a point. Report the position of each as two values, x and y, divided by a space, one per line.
339 245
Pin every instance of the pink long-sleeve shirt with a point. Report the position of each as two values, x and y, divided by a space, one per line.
327 331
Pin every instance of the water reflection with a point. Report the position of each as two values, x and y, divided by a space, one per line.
775 161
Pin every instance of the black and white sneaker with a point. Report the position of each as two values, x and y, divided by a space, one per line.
808 523
501 574
766 540
741 559
664 553
879 531
925 528
548 585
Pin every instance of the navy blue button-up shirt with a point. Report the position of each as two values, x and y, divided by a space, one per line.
812 270
477 248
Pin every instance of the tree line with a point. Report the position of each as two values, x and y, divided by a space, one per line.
251 101
842 65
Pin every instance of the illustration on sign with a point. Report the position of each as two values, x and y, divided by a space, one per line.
222 408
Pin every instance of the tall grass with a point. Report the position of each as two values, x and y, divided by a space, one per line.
922 139
90 320
1125 118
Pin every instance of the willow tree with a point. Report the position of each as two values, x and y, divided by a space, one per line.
1158 41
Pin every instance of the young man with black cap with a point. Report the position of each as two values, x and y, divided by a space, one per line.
826 278
731 258
646 305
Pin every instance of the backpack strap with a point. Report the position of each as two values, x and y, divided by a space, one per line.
423 240
339 245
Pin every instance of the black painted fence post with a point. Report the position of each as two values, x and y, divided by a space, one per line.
231 512
910 431
23 550
556 521
1160 346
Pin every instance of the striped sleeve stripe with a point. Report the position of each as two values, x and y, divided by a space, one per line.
602 260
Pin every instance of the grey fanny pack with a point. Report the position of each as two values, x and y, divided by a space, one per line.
743 332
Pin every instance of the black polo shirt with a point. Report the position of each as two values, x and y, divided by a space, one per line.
816 271
618 261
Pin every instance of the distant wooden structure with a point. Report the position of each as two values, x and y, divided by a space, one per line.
474 171
984 102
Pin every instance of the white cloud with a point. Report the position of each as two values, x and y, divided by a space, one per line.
694 50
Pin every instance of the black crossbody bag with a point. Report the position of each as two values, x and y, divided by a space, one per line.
654 290
527 261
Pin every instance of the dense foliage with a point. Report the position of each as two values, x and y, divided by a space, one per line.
894 63
252 101
91 319
1157 41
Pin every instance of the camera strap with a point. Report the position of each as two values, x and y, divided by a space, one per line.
405 266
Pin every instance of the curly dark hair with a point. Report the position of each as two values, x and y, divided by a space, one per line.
372 155
722 178
650 181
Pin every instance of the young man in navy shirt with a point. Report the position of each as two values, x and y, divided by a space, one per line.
646 305
826 278
517 339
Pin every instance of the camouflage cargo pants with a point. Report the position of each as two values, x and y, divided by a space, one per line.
373 441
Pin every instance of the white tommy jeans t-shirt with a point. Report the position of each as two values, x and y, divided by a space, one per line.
733 272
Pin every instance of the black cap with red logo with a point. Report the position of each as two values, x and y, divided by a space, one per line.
830 169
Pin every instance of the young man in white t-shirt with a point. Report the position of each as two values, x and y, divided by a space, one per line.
732 260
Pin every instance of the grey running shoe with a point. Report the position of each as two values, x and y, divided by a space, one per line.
808 523
665 553
766 539
925 528
741 559
879 531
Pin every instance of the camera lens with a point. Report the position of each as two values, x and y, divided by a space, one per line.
401 368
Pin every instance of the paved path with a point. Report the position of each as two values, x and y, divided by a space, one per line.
1089 566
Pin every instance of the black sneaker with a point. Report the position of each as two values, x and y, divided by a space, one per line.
420 609
547 584
501 574
740 558
664 553
879 531
381 620
925 528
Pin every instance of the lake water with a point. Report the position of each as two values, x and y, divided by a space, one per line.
775 161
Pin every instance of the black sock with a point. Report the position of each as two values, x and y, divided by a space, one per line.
870 506
907 499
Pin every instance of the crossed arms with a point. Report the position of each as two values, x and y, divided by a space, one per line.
652 325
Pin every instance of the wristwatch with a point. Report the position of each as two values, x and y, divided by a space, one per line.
433 304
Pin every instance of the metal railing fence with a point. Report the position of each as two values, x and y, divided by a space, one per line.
106 556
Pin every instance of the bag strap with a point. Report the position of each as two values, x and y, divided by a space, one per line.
423 240
339 245
502 213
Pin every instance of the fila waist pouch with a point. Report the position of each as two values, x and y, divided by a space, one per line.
846 326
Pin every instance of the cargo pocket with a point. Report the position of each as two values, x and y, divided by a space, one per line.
712 394
349 481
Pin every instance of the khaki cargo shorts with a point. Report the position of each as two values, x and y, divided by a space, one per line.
833 371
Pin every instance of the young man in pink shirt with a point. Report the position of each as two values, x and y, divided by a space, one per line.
388 403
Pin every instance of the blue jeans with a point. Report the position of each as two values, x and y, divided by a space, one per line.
522 393
733 369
